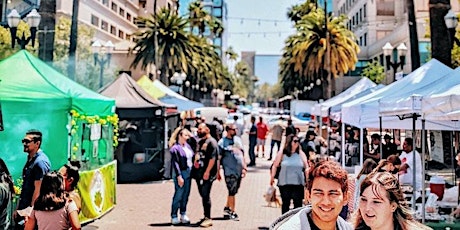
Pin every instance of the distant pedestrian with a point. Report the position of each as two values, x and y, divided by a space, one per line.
206 160
277 136
52 208
6 195
232 160
408 169
34 170
71 177
389 148
262 130
239 126
252 142
290 129
181 159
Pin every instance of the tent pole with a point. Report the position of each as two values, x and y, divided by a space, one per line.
423 169
414 118
452 157
380 142
361 146
343 144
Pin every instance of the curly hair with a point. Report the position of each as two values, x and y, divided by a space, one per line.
330 170
402 216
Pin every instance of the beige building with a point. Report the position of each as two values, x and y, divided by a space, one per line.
376 22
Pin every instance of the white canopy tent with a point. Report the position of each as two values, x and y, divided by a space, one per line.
322 109
364 112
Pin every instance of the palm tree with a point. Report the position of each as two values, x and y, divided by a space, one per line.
174 45
200 18
306 51
296 12
231 58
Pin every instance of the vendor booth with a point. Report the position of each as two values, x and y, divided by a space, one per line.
143 130
77 124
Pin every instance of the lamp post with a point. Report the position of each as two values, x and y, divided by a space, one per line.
388 51
178 79
32 19
451 20
102 54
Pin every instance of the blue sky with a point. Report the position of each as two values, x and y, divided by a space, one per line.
252 27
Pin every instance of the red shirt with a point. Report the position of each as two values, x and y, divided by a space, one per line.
262 130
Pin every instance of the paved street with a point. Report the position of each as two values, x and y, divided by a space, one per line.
148 205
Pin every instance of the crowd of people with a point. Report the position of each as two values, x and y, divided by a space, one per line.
47 200
316 192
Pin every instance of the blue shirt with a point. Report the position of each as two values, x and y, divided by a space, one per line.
34 170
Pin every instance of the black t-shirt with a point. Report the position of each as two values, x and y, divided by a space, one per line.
209 149
313 225
389 149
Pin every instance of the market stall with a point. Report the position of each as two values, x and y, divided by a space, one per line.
77 124
143 121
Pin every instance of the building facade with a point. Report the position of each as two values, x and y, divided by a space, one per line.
376 22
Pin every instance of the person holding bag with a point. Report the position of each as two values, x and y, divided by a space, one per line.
294 168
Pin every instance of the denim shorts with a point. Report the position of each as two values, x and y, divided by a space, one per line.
233 184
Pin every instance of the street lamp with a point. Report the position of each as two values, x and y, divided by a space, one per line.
102 54
451 20
178 79
32 19
388 51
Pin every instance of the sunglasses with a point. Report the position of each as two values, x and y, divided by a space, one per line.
26 141
295 141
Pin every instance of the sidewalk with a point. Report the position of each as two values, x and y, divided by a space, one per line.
148 205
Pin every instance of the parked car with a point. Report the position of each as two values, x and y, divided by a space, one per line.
300 125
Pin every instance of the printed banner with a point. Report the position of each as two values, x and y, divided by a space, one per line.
97 191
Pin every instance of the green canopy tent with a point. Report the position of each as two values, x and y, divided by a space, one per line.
33 95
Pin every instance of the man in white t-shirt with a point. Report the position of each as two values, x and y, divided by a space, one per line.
406 171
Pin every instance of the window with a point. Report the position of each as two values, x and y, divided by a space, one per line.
128 37
104 25
365 39
361 15
114 7
385 7
357 18
121 12
217 12
94 20
121 34
360 40
113 30
365 10
105 2
128 16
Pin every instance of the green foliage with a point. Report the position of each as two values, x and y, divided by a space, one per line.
5 40
374 71
87 73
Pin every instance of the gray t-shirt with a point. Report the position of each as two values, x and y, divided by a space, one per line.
231 156
292 170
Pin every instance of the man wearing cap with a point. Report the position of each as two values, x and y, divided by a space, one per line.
374 150
389 148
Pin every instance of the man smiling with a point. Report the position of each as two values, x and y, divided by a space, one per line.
327 185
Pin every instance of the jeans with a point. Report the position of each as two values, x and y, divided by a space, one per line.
181 194
291 192
278 143
204 188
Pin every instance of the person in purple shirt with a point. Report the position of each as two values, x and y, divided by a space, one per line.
181 159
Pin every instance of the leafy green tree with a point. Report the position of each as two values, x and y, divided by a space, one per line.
309 54
5 39
199 18
374 71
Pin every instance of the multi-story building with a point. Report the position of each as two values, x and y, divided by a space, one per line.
113 20
376 22
218 9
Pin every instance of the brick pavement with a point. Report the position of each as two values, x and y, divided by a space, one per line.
148 205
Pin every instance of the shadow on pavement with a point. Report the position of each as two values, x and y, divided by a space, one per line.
192 225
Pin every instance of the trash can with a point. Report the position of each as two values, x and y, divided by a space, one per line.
437 186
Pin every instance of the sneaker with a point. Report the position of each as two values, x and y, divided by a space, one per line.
184 219
175 221
234 216
269 159
206 223
227 211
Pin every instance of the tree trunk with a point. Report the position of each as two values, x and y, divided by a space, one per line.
440 46
414 51
46 30
73 40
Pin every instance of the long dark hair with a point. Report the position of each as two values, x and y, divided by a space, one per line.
287 150
72 172
52 195
5 176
